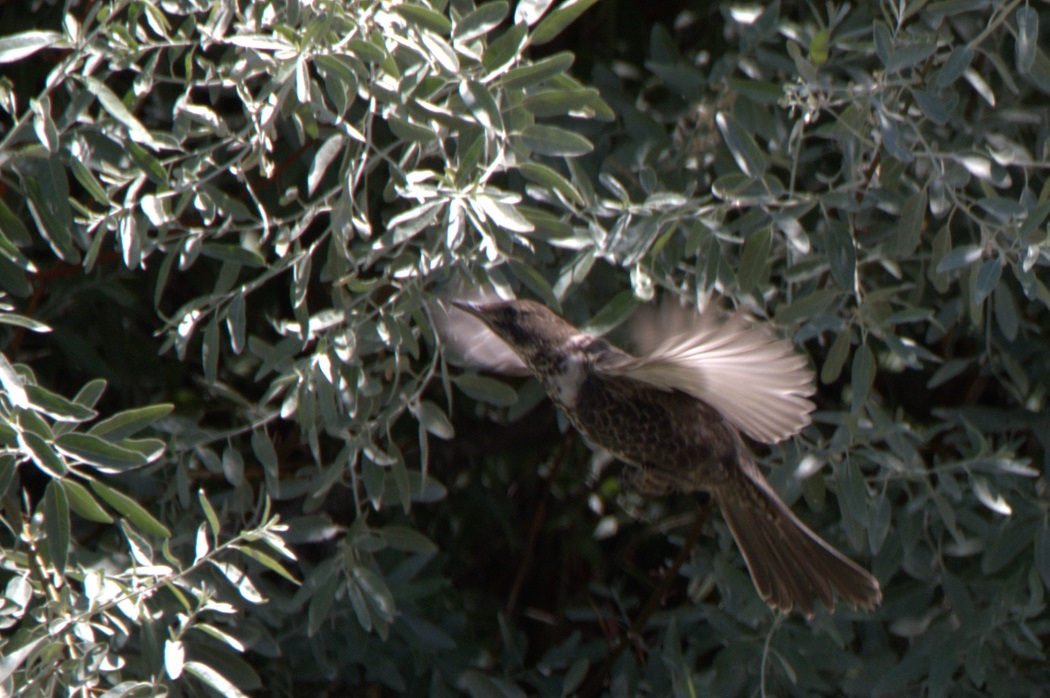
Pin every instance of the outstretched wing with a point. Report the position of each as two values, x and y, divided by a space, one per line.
756 380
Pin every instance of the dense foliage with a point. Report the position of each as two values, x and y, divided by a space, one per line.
235 459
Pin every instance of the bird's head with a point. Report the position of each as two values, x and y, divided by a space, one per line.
533 331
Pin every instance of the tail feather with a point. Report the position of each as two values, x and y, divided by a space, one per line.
790 565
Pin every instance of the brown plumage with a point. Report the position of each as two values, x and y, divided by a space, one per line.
673 413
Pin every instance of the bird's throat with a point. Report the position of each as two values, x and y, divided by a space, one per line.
568 373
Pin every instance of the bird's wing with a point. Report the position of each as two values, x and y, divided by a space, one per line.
754 379
468 342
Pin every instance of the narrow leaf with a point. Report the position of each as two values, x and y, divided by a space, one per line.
130 422
753 259
551 140
42 454
748 156
862 376
97 452
128 507
56 525
18 46
83 503
213 678
486 389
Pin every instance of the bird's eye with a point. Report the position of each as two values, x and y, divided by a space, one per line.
512 312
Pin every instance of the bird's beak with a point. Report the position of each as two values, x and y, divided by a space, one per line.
468 307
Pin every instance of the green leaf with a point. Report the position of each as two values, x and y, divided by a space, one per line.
14 658
366 51
434 420
836 358
481 104
612 314
233 466
748 156
219 683
912 221
131 509
233 253
48 188
486 389
558 20
408 131
130 422
1042 553
219 635
1027 35
87 180
853 495
550 103
505 49
1006 312
42 454
210 350
83 503
268 562
754 259
862 376
443 54
12 226
550 178
375 591
236 320
149 164
842 254
407 539
987 279
89 395
14 234
240 580
535 282
209 513
538 72
551 140
958 258
57 407
103 455
263 449
22 321
807 307
818 47
504 215
56 525
481 21
11 252
117 109
424 18
958 61
174 658
18 46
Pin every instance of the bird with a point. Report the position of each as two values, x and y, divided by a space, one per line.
674 414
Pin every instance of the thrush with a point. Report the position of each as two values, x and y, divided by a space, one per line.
674 414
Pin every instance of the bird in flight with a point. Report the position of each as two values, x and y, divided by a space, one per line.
674 414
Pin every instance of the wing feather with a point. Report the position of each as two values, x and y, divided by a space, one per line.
756 380
469 342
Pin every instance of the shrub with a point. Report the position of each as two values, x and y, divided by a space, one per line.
236 457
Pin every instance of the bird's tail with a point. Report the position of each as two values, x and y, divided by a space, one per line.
789 564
